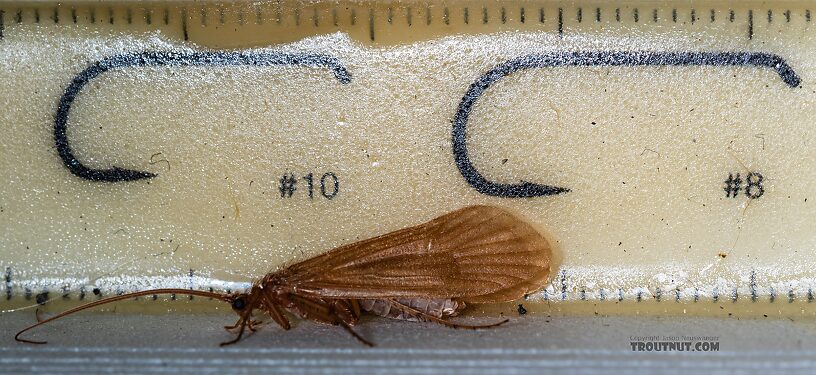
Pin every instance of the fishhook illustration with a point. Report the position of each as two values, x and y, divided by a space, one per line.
154 59
572 59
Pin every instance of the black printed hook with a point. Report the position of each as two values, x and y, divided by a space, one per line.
151 59
598 58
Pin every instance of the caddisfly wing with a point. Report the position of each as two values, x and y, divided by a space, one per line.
478 254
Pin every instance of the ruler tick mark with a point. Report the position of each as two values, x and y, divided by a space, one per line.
654 15
19 16
8 283
353 16
674 15
503 16
466 15
203 16
731 15
597 14
184 23
129 15
563 285
750 24
390 15
446 16
787 16
259 15
713 15
55 15
371 23
484 16
753 286
166 16
561 23
807 15
408 16
636 15
522 15
148 16
617 15
41 298
297 16
770 16
73 15
541 15
428 15
192 283
316 18
580 15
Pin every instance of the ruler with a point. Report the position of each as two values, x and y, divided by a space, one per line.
664 148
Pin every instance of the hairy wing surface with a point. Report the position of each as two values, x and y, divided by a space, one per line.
477 254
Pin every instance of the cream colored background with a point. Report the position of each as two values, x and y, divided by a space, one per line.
646 212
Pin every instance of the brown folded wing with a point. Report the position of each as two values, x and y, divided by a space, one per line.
478 254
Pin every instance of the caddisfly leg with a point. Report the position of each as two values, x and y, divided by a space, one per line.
236 339
355 309
277 315
355 334
328 312
253 325
243 322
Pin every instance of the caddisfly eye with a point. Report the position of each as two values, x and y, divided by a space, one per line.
239 303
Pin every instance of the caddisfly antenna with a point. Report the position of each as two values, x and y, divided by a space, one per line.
201 293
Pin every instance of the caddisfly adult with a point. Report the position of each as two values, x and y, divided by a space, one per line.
429 272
